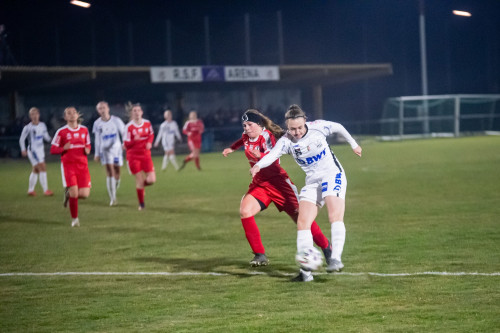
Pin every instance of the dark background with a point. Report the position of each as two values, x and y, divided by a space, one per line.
463 54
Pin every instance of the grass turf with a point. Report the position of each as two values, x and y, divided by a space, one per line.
412 206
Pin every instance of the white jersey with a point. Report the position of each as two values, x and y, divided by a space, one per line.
107 135
311 152
35 135
169 130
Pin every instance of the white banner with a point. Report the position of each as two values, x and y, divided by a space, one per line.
251 73
176 74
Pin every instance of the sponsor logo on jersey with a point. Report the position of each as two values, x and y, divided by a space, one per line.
68 136
312 159
338 181
76 135
324 187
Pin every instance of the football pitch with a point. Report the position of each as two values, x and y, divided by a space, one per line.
422 252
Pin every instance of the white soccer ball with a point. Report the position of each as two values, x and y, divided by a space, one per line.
309 258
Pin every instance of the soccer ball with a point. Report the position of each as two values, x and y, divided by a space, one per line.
309 259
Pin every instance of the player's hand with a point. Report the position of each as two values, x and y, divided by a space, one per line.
256 153
156 145
67 146
254 170
24 153
227 151
96 158
148 145
87 150
357 151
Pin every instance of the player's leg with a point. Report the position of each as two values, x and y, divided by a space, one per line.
171 157
249 207
110 182
197 158
164 163
33 178
140 177
307 213
190 156
73 205
336 208
43 179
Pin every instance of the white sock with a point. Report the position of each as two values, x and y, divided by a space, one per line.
165 162
338 239
304 239
43 180
113 187
109 187
117 182
174 162
32 181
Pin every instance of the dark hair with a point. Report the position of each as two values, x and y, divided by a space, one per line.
294 111
264 121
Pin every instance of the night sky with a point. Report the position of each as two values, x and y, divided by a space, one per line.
463 53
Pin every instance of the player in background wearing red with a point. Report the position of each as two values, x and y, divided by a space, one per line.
36 133
193 128
138 141
259 137
72 142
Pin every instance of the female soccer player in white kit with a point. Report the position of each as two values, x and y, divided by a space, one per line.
326 181
169 131
108 147
35 132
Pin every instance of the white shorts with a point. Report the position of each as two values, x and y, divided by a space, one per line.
114 156
329 185
36 156
168 146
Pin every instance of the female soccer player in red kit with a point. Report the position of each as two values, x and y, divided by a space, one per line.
138 140
193 128
72 141
259 136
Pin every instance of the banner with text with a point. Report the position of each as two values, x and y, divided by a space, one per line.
214 74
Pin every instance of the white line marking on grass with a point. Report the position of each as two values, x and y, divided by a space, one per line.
249 273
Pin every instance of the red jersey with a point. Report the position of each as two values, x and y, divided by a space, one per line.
136 138
263 143
193 129
79 140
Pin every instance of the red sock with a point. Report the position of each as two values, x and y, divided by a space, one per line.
318 236
253 234
197 162
73 207
187 159
140 195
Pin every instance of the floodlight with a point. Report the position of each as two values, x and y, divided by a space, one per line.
462 13
80 3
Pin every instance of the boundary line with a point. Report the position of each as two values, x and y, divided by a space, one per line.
236 273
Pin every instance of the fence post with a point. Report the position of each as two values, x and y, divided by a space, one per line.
457 116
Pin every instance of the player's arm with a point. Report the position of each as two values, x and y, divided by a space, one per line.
338 128
22 141
127 141
158 138
176 132
55 147
151 138
88 147
275 153
46 135
234 146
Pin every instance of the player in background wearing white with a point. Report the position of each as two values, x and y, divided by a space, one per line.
35 132
139 137
326 181
169 131
72 142
108 147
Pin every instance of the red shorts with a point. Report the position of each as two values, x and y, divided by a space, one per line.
281 191
194 143
75 174
138 164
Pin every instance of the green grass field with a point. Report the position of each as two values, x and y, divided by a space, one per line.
412 207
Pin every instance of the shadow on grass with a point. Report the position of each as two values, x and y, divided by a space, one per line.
220 265
27 220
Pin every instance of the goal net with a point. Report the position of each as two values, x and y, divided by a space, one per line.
440 115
